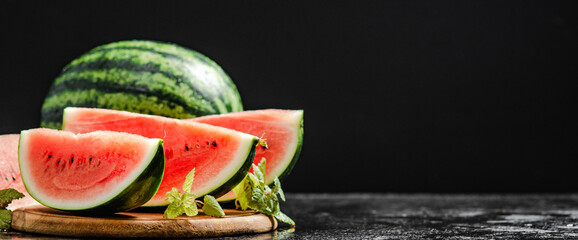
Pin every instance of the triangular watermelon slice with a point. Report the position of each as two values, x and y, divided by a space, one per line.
98 172
10 172
282 130
221 157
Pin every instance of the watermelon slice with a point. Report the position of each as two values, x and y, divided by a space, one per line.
282 130
10 172
221 157
98 172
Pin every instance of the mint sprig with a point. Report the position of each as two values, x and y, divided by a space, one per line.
6 197
254 194
211 207
186 203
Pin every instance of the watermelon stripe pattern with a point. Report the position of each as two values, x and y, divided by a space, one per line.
144 77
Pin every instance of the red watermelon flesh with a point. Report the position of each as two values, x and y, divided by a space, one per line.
96 172
9 170
282 130
221 157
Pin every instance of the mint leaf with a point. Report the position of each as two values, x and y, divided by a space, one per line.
259 201
182 203
8 195
254 194
277 188
5 218
259 171
174 210
284 218
186 202
269 204
188 184
174 195
212 207
244 191
189 204
191 211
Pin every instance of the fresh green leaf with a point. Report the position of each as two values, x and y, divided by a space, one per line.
212 207
260 204
259 171
284 218
244 191
242 187
269 204
189 198
273 204
186 202
277 189
254 194
189 204
188 184
262 166
182 203
174 210
257 195
174 195
5 218
191 211
8 195
254 181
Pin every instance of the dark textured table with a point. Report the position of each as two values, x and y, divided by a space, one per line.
422 216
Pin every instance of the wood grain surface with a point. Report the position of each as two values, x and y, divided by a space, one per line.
139 224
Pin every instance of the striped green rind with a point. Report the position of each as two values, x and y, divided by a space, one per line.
238 177
141 190
134 195
287 170
141 103
175 81
289 167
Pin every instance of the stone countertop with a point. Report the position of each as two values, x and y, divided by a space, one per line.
420 216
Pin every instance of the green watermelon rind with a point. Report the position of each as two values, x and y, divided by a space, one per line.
229 184
239 175
135 194
177 82
291 164
287 171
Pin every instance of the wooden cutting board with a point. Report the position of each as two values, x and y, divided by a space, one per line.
43 220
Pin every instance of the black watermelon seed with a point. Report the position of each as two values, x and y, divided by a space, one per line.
49 156
187 147
13 179
207 143
90 159
58 162
214 144
72 160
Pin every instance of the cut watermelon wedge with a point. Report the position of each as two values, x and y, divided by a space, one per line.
10 172
221 157
282 130
98 172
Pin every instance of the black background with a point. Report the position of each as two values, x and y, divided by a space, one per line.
399 96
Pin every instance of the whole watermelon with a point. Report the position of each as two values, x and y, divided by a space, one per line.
145 77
